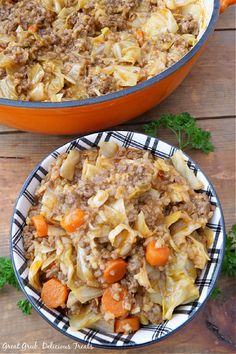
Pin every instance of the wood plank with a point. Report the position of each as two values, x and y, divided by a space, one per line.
227 19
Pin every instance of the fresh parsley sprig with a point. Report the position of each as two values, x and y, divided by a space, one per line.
215 293
184 127
229 262
7 276
25 306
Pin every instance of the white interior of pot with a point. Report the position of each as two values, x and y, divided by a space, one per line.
208 5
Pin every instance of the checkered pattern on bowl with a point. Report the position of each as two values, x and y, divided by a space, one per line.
147 334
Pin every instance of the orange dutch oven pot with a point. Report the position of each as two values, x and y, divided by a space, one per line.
92 114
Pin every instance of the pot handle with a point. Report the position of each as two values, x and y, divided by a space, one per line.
225 3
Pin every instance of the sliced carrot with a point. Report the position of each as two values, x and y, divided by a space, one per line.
140 36
109 304
33 28
73 220
54 293
161 174
40 225
128 324
157 256
115 270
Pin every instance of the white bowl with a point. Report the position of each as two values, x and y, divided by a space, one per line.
146 334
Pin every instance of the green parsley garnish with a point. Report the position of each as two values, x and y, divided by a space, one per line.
215 293
25 306
7 276
184 127
229 263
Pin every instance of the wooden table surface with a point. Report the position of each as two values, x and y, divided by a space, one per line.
208 93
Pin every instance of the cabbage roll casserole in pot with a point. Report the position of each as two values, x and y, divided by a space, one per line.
117 236
60 50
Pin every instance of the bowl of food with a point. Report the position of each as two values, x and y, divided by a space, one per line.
80 66
117 239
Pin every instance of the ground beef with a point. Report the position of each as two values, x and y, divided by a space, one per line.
197 207
29 236
24 13
188 25
178 49
17 54
85 189
22 83
116 290
115 22
154 314
201 205
130 283
2 73
82 24
135 260
122 7
100 84
53 271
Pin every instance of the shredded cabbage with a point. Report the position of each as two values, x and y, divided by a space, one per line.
34 270
85 319
182 167
86 293
142 278
126 75
83 271
179 291
141 226
198 254
122 237
161 21
99 199
67 169
7 87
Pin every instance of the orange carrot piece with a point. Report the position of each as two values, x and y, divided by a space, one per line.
73 220
33 28
157 256
54 293
128 324
109 304
115 270
40 225
140 36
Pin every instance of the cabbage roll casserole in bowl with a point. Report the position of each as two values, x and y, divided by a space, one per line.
61 50
117 239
